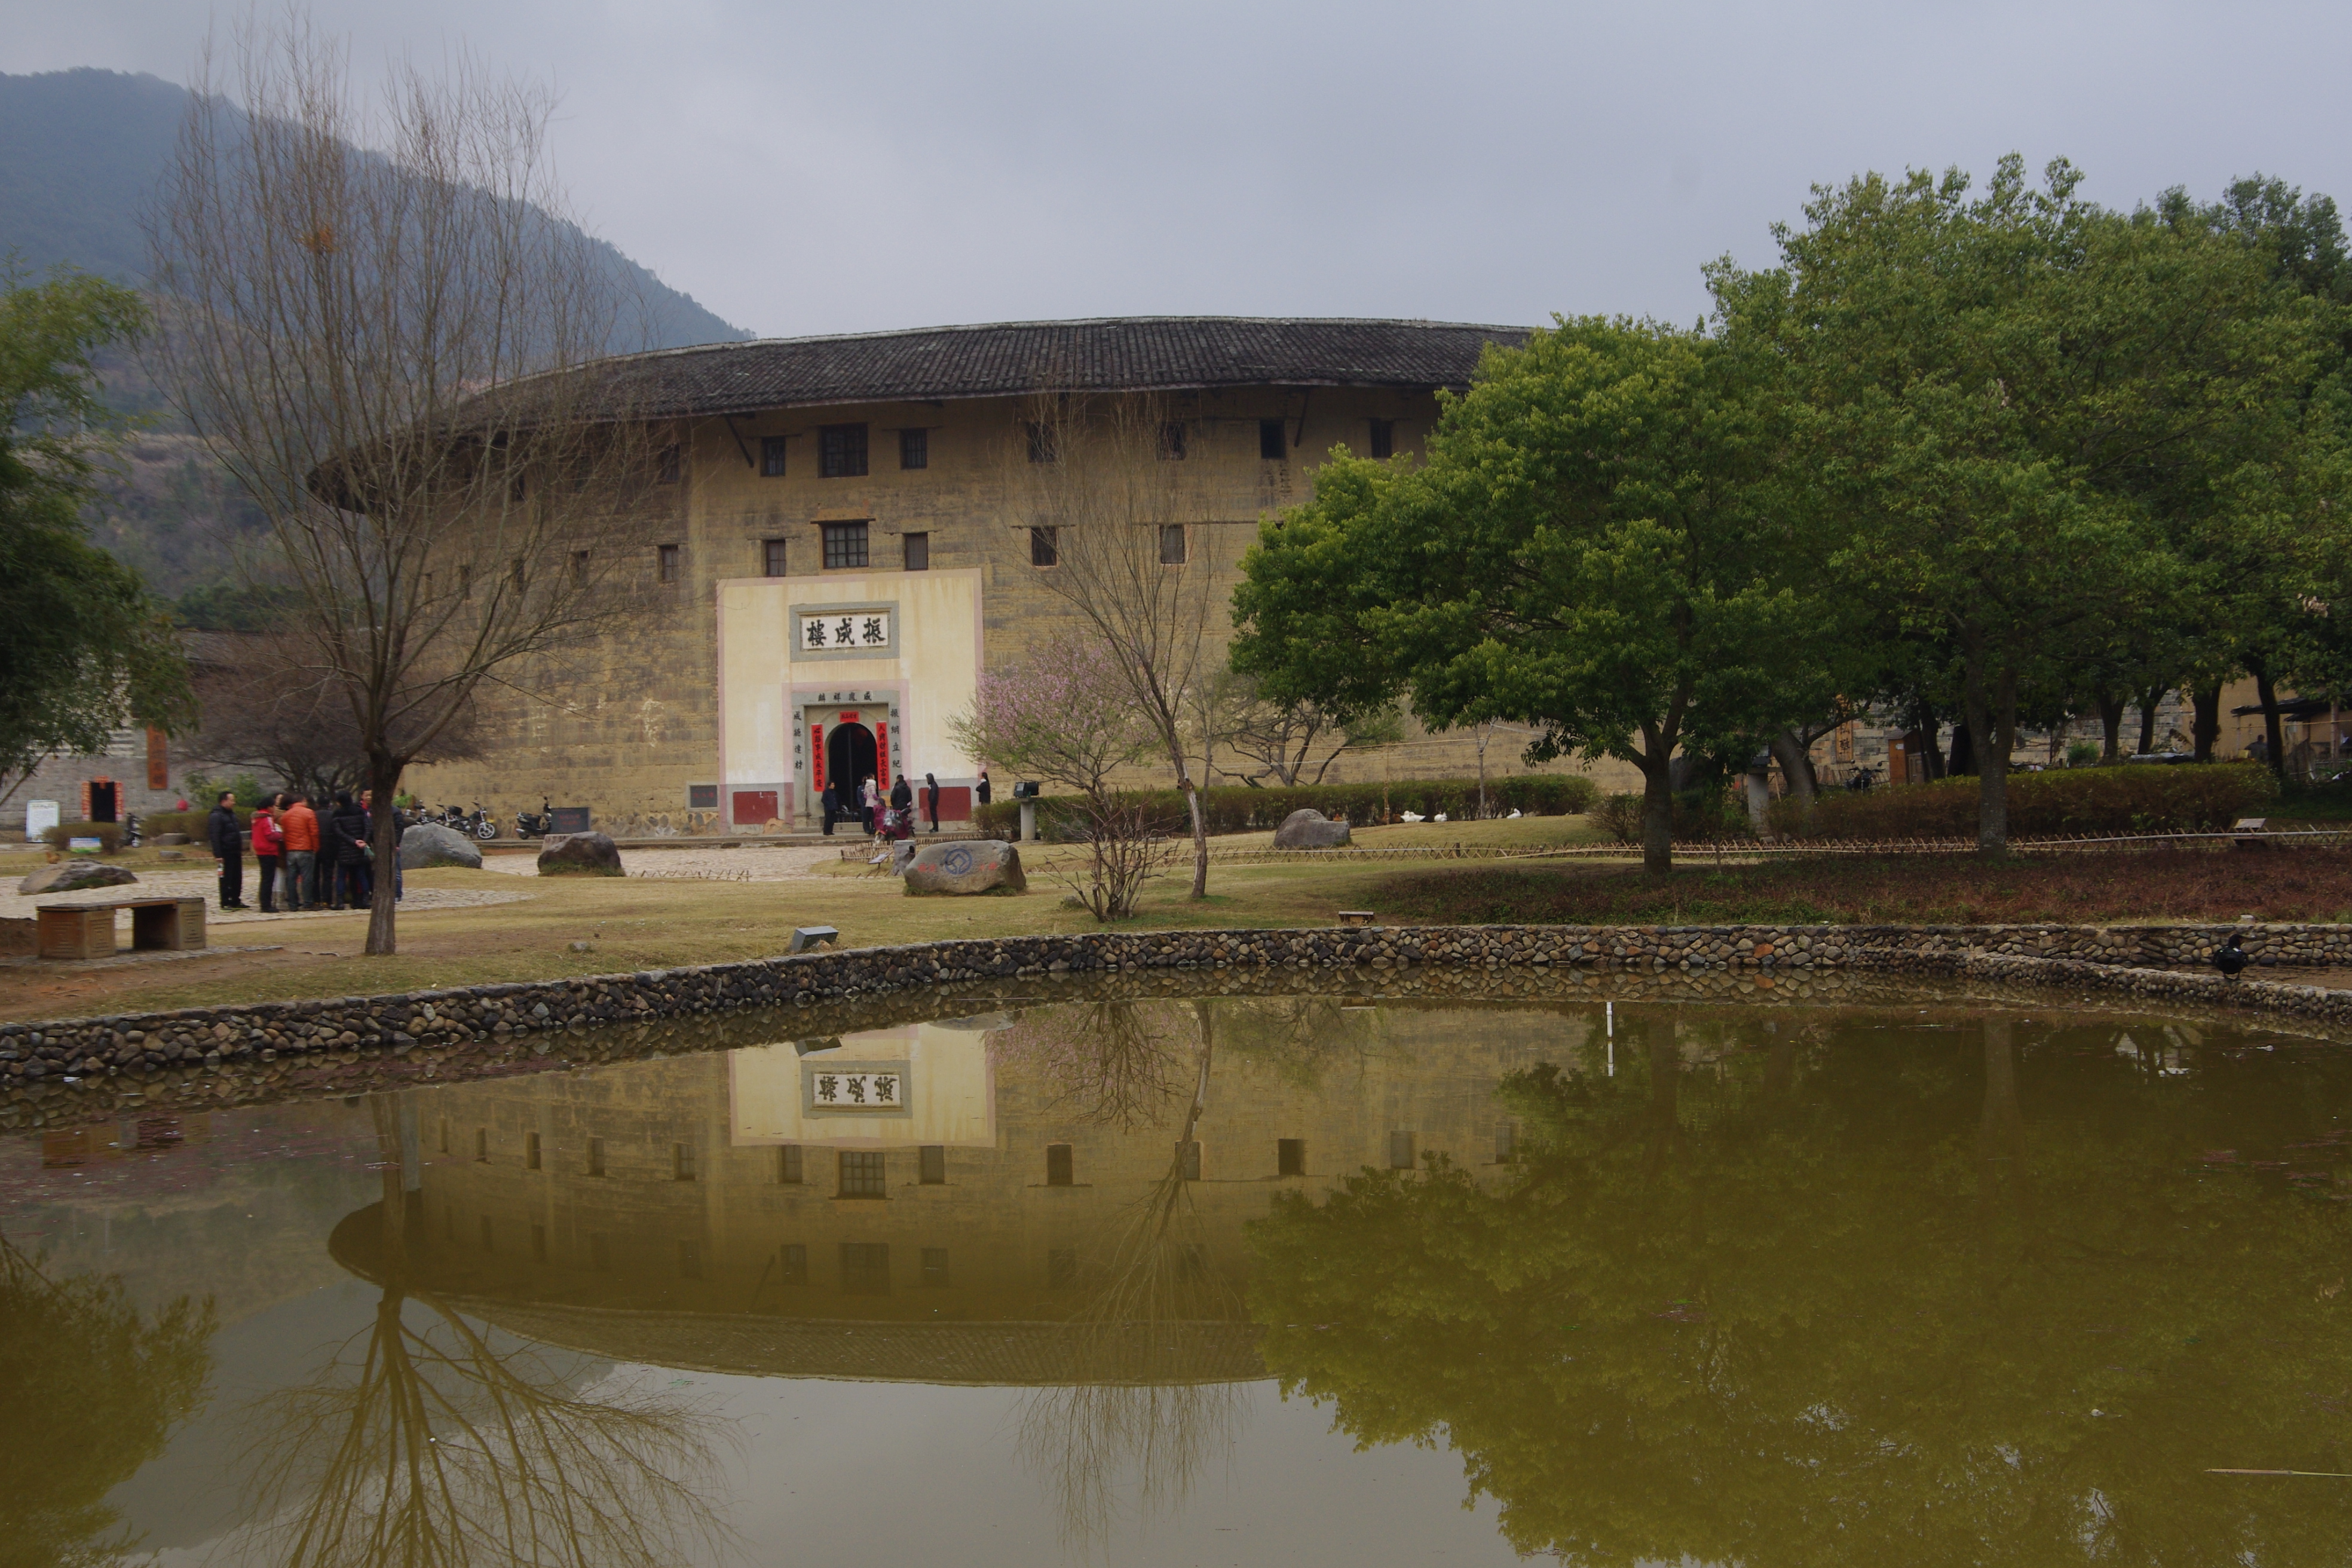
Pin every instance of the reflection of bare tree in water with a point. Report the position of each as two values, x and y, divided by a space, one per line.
422 1444
1118 1064
1138 1415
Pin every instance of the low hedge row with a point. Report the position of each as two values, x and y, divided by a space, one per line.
107 834
196 825
2143 798
1238 809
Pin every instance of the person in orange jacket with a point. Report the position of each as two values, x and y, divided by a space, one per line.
299 825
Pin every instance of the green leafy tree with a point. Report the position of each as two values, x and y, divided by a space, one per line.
85 650
1598 547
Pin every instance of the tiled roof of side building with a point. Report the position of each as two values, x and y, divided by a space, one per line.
1124 354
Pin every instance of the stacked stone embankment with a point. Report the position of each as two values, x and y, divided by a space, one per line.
208 1042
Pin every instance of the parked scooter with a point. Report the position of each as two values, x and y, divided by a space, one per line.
538 824
481 826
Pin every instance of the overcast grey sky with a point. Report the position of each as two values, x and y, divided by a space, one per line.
817 168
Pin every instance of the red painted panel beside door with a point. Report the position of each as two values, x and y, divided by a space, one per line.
755 808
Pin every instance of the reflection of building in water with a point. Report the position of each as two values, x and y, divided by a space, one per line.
722 1211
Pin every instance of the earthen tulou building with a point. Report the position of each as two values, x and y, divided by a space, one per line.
840 544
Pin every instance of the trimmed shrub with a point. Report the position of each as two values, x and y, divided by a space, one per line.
2145 798
107 834
1234 808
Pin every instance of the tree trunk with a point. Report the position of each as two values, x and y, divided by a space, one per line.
1796 760
1924 716
1199 837
2206 728
1964 749
383 831
2148 701
1657 814
1993 774
2274 731
2111 720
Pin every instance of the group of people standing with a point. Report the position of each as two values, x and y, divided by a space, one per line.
311 854
864 803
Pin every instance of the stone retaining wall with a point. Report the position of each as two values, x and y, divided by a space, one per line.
210 1041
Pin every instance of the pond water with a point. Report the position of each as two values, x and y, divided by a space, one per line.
1303 1279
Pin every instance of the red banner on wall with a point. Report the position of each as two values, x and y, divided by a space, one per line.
882 757
816 758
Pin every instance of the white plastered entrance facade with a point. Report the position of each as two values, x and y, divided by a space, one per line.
896 652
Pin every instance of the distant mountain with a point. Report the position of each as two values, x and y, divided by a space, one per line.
80 153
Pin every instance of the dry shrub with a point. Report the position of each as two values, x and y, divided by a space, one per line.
2197 798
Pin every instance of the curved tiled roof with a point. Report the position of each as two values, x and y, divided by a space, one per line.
1124 354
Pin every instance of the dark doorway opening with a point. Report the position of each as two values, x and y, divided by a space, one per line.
849 756
101 803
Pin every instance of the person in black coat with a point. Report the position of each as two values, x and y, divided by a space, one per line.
349 830
830 804
931 800
228 846
902 801
982 794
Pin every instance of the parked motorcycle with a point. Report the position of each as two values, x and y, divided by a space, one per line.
481 826
538 824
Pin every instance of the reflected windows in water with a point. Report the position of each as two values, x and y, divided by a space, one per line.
531 1151
788 1165
1506 1142
487 1245
595 1156
862 1173
791 1260
689 1260
935 1267
864 1267
1060 1169
1061 1269
539 1244
935 1165
599 1253
1193 1262
445 1135
1188 1160
1401 1151
1290 1156
482 1144
682 1162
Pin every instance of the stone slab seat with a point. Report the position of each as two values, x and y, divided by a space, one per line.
86 931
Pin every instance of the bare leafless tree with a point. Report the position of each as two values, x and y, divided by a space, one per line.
1285 740
1116 512
380 328
269 706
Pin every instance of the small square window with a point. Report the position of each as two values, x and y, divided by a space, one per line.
864 1267
682 1162
1401 1151
935 1165
1270 444
1171 545
788 1165
1060 1168
702 797
1290 1156
1383 443
1188 1160
861 1174
599 1253
595 1156
667 560
1045 442
774 558
1171 441
914 449
689 1260
579 568
919 550
841 452
668 464
771 456
845 545
1061 1268
1044 547
792 1259
531 1151
935 1267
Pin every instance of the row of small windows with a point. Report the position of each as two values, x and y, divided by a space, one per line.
842 450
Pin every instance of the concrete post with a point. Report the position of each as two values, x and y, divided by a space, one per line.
1028 821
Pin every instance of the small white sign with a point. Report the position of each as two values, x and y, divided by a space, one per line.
864 631
41 816
856 1090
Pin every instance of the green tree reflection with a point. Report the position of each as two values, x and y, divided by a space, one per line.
1890 1302
91 1387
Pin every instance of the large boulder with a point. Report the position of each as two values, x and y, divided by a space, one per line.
580 854
430 844
1307 828
966 866
74 874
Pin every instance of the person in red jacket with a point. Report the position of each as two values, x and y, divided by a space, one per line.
299 825
267 842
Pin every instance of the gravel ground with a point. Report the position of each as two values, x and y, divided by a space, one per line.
194 883
763 865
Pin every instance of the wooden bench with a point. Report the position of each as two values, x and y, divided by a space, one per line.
86 931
